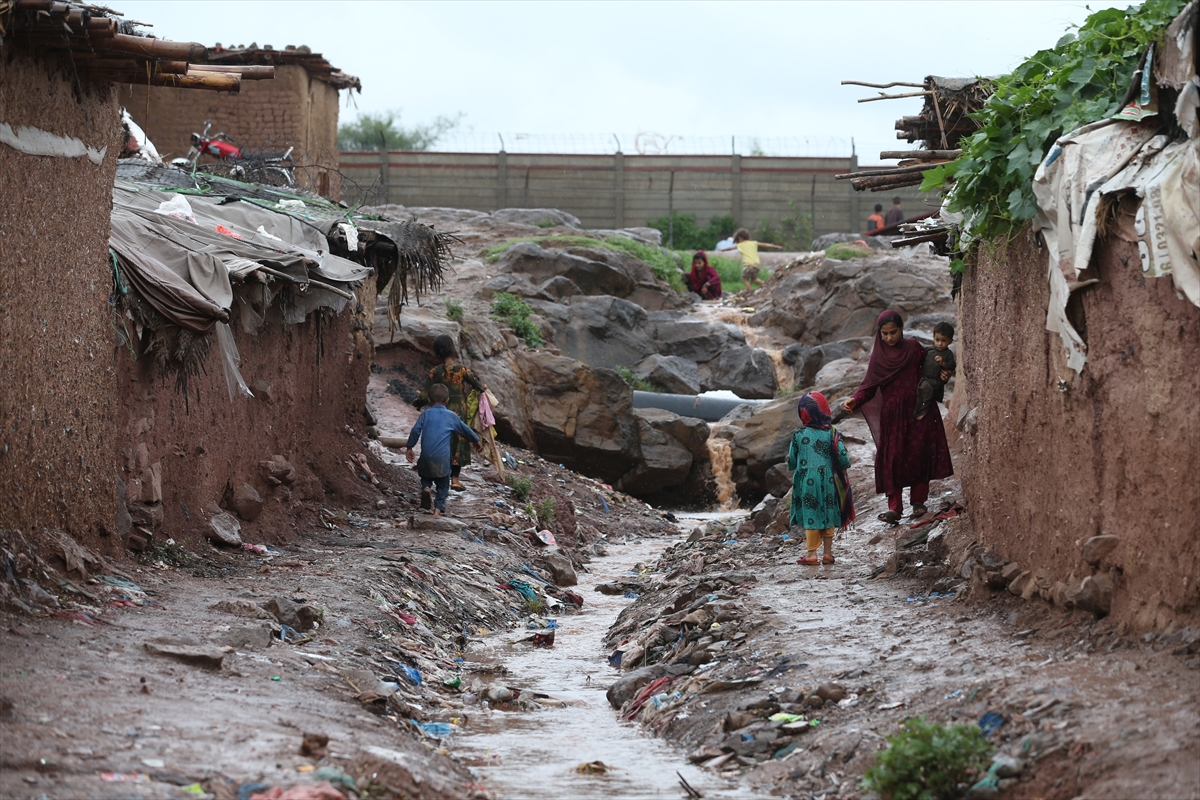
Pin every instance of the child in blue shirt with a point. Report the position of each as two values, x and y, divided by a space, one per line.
434 428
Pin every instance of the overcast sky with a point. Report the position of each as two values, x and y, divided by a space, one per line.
584 71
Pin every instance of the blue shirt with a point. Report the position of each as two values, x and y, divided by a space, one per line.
434 428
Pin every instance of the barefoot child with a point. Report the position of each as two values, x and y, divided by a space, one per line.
821 500
748 249
434 429
939 360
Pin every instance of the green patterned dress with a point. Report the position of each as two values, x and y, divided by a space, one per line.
814 497
464 387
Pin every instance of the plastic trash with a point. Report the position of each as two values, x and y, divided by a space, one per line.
246 789
338 778
438 730
544 639
453 682
524 589
177 207
544 537
292 636
991 722
221 229
292 205
785 717
615 658
631 595
413 675
510 461
604 504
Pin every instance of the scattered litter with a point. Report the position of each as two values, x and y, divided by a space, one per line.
436 730
931 596
888 706
124 777
593 768
991 722
413 674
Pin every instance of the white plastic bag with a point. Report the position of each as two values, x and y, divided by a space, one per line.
177 207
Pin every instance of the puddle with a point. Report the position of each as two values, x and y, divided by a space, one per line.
539 751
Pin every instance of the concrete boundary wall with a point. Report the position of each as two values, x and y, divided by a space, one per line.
617 190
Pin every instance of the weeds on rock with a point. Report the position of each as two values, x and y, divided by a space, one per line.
545 223
843 251
454 310
928 761
521 487
665 264
639 384
514 312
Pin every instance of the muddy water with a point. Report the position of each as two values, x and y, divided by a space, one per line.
539 751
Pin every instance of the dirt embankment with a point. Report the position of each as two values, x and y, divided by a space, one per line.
140 679
1088 476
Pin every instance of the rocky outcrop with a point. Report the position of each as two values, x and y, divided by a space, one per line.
675 462
533 271
841 299
672 374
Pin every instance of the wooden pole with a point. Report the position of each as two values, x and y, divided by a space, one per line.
883 85
894 96
248 72
922 155
892 171
158 48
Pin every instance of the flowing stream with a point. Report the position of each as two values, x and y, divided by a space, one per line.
535 754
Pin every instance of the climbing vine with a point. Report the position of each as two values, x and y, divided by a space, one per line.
1081 80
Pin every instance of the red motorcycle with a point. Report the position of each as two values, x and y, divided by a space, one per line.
266 167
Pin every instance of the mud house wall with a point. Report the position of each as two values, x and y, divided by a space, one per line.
293 110
1112 451
615 191
178 456
57 426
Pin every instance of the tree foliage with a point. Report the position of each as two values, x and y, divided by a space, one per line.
1082 79
373 131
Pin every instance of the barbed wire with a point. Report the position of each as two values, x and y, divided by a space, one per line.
644 143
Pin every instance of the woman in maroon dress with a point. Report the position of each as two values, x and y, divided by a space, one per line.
908 451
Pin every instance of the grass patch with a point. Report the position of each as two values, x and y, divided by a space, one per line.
514 312
545 223
639 384
730 270
928 761
454 310
844 250
665 264
546 511
521 487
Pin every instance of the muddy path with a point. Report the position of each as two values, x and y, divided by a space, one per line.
856 647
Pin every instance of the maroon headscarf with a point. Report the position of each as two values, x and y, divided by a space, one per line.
885 366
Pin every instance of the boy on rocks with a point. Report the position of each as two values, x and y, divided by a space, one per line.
748 249
434 429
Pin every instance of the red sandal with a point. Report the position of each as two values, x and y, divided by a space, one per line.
811 561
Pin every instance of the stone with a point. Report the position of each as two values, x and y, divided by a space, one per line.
1018 584
666 461
188 651
626 687
146 515
560 567
427 522
746 371
1007 766
225 528
245 637
704 753
263 390
137 543
1097 548
124 522
278 470
288 612
839 376
247 502
670 373
1010 571
831 692
1094 593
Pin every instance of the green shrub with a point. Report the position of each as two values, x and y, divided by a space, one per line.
1082 79
521 487
454 310
640 384
928 761
546 510
515 312
545 223
730 270
690 237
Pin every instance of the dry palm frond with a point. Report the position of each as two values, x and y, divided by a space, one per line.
420 260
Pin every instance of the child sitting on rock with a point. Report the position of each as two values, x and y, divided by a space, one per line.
939 359
821 499
434 429
748 249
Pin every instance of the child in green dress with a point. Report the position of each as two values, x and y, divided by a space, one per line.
821 499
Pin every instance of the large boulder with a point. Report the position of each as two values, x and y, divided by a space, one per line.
670 373
746 371
531 270
600 331
693 339
842 299
840 377
536 216
759 438
807 360
666 462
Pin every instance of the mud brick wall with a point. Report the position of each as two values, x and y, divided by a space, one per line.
178 455
57 428
293 110
1113 451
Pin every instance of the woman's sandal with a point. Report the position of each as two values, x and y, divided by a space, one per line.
918 512
890 517
827 560
811 561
